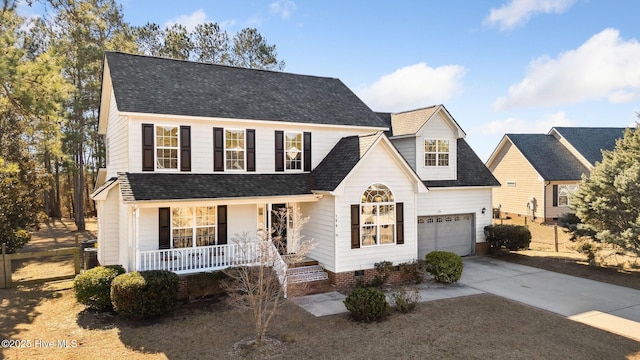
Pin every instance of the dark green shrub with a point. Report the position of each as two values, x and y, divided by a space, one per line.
93 287
445 266
406 301
414 271
512 237
367 304
17 240
144 294
206 284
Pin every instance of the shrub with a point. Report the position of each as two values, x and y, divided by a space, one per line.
17 240
93 287
445 266
414 271
367 304
512 237
406 301
144 294
384 269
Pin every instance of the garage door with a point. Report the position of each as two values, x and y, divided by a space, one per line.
446 232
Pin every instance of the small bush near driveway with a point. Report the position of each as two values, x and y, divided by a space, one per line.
367 304
445 266
512 237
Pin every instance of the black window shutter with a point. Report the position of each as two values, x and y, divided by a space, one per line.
279 150
222 224
218 149
147 147
251 150
555 195
164 228
400 223
307 151
185 148
355 226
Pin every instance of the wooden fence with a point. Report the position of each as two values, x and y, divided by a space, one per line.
6 271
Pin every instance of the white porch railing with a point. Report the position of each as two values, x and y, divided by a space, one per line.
212 258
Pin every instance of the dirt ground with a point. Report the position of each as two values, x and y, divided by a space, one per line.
50 324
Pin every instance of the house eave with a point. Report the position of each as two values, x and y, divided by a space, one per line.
229 200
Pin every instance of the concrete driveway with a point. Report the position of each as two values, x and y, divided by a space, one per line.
608 307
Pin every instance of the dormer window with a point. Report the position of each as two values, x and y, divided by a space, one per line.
436 152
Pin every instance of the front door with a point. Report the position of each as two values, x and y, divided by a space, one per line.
278 226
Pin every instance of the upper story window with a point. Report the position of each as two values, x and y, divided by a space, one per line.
234 149
436 152
293 150
564 194
377 216
167 147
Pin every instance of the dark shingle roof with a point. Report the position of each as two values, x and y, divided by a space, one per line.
164 86
340 161
591 141
471 170
548 156
155 186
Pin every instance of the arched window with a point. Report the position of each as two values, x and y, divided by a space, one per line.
377 216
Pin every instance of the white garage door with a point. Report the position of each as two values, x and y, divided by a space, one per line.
446 232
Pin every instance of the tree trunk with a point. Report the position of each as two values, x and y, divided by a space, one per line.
78 190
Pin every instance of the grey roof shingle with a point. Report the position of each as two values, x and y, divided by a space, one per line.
158 186
548 156
340 161
163 86
471 170
590 141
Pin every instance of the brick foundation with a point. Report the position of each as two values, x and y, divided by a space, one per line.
347 279
183 288
482 248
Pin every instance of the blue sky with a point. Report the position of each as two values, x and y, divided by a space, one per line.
498 66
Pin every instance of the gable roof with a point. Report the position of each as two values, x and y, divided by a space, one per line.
163 186
471 170
590 141
548 156
145 84
410 122
341 160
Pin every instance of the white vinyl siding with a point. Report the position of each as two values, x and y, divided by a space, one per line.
407 148
458 201
321 230
437 128
117 131
378 165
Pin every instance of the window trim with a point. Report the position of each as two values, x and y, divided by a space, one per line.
437 153
193 226
244 149
378 224
569 189
156 147
300 151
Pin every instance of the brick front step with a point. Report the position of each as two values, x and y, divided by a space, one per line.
304 274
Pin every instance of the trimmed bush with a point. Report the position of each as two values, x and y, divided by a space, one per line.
367 304
406 301
144 294
512 237
93 287
445 266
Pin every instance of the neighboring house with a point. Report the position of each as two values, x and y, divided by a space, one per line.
198 152
539 172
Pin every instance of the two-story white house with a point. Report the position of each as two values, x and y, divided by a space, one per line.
198 152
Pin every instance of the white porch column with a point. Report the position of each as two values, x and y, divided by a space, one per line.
136 239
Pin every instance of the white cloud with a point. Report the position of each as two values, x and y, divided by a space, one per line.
413 86
190 20
519 126
282 7
604 67
518 12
